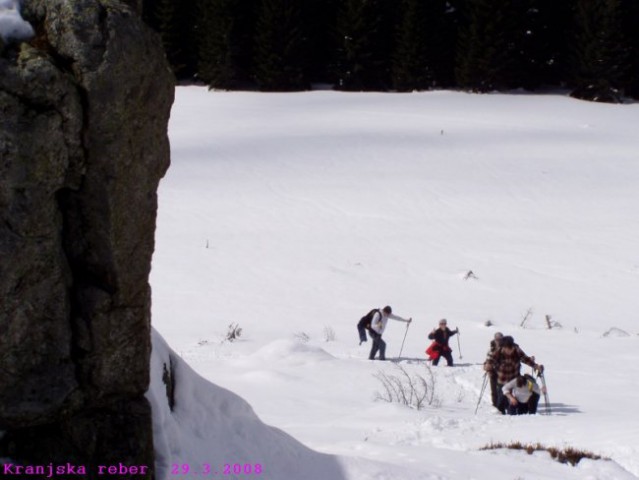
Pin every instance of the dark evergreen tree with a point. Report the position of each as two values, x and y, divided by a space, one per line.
365 30
280 47
174 20
412 68
543 46
591 46
224 32
489 45
319 25
600 57
630 23
531 45
425 49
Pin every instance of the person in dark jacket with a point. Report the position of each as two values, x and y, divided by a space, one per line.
492 375
439 348
506 362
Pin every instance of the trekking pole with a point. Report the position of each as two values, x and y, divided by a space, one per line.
401 349
532 372
459 345
481 394
545 391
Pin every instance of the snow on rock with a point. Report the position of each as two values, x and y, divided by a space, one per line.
212 426
12 26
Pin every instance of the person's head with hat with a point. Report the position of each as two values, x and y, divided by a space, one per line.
507 342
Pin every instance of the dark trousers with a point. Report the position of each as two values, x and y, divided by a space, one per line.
519 409
532 403
502 400
361 329
447 354
378 345
493 388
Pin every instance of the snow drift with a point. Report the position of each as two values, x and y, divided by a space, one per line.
212 426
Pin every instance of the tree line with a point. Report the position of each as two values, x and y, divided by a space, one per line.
590 47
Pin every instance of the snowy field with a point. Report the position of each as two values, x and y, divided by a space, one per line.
12 25
292 215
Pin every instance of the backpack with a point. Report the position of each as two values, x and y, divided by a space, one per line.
365 321
530 381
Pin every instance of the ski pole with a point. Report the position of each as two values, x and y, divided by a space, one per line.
481 394
533 368
459 345
544 390
401 349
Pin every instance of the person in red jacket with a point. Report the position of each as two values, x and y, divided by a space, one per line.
439 348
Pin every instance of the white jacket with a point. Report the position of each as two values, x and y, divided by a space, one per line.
522 394
378 324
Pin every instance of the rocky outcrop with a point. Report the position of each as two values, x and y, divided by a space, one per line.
84 108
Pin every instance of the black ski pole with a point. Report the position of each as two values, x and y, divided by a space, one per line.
401 349
481 393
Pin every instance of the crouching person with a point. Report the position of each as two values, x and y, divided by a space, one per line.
523 394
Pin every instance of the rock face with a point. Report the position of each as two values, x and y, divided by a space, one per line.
84 108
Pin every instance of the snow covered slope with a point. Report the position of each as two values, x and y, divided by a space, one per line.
294 214
210 426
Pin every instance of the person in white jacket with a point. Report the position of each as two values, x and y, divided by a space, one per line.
378 325
522 394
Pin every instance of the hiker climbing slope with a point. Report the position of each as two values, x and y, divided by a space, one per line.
494 346
506 362
377 327
439 347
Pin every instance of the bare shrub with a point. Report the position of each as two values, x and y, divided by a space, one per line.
552 323
302 337
526 317
566 455
234 332
329 334
415 391
470 275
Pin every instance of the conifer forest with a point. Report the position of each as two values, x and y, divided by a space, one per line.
589 48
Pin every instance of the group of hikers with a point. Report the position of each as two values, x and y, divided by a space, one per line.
511 392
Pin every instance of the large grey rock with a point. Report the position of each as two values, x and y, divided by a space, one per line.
83 145
40 147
